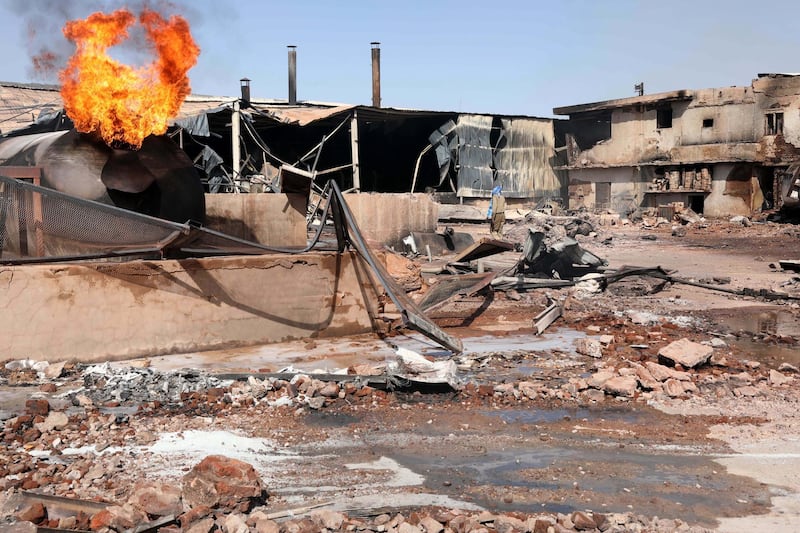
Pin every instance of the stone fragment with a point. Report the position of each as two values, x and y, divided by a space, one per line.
747 391
233 523
646 379
509 524
54 420
429 525
598 379
663 373
405 527
539 525
193 515
156 499
787 367
54 370
685 353
118 518
589 347
606 339
777 378
37 406
265 525
317 402
220 481
330 390
582 521
594 395
327 519
716 342
621 386
33 513
673 388
203 525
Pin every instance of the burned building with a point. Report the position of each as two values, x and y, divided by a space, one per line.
723 151
239 142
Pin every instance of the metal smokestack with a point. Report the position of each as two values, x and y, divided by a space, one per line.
292 74
376 74
245 83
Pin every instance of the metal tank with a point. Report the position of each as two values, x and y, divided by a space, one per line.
157 180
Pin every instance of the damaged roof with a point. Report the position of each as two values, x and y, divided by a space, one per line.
21 104
648 99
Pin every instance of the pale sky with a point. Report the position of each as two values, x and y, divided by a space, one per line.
511 57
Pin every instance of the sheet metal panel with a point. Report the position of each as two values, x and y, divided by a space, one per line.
523 159
475 173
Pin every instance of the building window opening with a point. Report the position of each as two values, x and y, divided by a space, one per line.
774 124
708 122
696 203
664 117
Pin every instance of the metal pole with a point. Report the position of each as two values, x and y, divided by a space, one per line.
376 74
292 74
235 140
354 150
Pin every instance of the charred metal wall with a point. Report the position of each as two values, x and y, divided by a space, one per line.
517 153
99 312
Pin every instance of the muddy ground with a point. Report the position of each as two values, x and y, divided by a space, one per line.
529 432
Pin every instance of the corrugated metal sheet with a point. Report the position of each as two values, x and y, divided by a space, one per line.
523 159
21 104
518 156
475 173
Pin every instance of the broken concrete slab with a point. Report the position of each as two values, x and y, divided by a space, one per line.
686 353
590 347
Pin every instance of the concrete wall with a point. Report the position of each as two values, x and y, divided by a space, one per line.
270 219
106 311
627 189
387 218
737 133
279 219
733 191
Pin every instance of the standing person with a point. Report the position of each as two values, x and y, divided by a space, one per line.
497 212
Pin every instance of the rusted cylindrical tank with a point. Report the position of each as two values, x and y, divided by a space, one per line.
157 180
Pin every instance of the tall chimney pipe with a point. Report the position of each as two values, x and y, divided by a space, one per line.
245 83
292 74
376 74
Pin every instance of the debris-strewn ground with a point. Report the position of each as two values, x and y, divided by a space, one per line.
647 407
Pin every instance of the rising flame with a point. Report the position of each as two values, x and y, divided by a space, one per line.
121 103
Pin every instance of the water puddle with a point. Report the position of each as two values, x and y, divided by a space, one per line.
546 416
600 475
758 320
753 321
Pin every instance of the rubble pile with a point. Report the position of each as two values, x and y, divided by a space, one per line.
556 228
225 494
104 383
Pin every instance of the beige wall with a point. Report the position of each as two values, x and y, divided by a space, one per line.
269 219
106 311
387 218
279 219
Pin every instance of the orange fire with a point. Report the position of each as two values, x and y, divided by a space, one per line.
121 103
